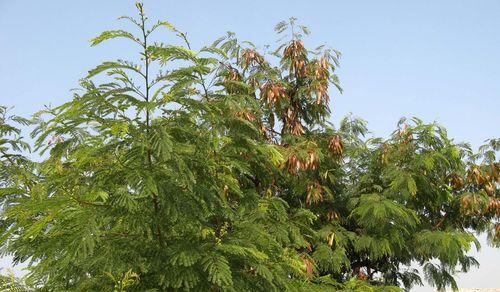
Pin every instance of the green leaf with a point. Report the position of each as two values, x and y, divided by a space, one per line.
114 65
112 34
218 269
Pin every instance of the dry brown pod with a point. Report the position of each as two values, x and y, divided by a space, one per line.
335 145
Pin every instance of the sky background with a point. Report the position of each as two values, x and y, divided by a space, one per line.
437 60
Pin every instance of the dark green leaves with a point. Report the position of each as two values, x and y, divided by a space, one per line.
218 270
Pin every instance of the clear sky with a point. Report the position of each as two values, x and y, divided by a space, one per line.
437 60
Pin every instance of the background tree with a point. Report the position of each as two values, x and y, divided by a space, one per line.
217 170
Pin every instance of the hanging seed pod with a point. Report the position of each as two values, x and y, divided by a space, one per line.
335 145
246 115
465 205
456 181
314 194
308 265
319 69
251 56
234 75
272 92
474 175
270 95
319 96
494 206
293 164
495 171
384 157
312 160
292 125
489 188
324 63
297 129
264 131
296 53
294 49
322 94
331 238
332 215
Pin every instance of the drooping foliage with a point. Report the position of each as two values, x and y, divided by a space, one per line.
218 170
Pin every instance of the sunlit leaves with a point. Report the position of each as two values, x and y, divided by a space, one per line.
171 53
375 211
448 247
111 34
114 65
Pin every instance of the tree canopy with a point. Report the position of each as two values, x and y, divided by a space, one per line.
218 169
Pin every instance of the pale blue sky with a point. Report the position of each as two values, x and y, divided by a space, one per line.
438 60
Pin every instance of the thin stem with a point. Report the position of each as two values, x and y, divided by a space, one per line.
148 119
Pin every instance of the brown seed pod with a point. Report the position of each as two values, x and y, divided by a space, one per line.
489 188
474 175
495 167
263 130
293 164
308 264
456 181
297 129
272 92
324 63
312 160
332 215
314 193
292 125
294 49
321 92
406 135
494 206
232 75
251 56
319 69
335 145
246 115
296 53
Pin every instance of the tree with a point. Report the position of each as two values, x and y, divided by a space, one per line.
218 170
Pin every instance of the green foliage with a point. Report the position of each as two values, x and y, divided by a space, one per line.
221 172
10 283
